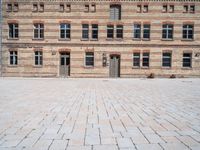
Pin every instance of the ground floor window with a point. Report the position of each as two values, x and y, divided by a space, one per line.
136 59
38 58
187 60
145 60
89 59
166 59
13 58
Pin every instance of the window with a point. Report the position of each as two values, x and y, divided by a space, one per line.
62 8
115 12
136 59
189 8
137 31
86 8
139 8
187 59
110 31
38 58
65 31
171 8
145 8
15 7
166 60
35 7
85 31
146 31
145 60
89 59
41 7
93 8
192 8
94 31
167 31
188 31
13 30
185 7
68 8
13 58
9 7
164 10
119 31
38 31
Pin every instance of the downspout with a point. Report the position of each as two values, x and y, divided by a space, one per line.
1 39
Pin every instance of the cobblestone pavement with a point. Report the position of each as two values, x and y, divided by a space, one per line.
99 114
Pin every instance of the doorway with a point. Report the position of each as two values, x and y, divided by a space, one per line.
65 64
114 66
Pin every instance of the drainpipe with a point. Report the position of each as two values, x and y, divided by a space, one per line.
1 39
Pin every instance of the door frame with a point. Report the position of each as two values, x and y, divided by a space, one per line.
119 64
65 54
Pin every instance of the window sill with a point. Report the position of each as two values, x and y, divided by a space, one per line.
12 66
167 40
187 40
38 39
136 39
119 39
37 66
93 39
167 68
60 39
143 67
84 39
135 67
145 39
109 39
186 68
12 38
89 67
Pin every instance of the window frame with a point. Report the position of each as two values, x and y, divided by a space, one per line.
85 31
95 29
14 32
39 30
38 58
136 60
145 59
90 61
148 29
169 61
114 8
119 31
186 28
13 58
67 31
110 28
187 58
167 29
137 31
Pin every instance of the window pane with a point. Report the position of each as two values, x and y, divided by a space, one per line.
136 59
89 60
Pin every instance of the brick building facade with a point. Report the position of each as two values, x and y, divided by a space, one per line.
101 38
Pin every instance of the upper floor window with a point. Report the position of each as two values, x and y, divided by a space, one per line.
142 8
85 31
115 12
189 8
188 31
89 59
13 30
95 31
12 7
13 58
38 7
168 8
93 8
166 59
38 58
145 60
65 29
87 8
110 31
119 31
187 60
38 31
137 31
167 31
146 31
62 8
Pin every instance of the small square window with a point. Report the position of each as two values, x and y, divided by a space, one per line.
86 8
9 7
171 8
68 8
16 7
164 10
41 7
93 8
145 8
185 7
192 8
62 8
139 8
35 7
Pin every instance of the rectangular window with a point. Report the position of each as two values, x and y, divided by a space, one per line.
15 7
85 31
9 7
145 60
110 31
139 8
62 8
137 31
119 31
65 31
188 31
145 8
13 58
38 58
146 31
171 8
115 12
93 8
136 59
192 8
94 31
41 7
167 31
87 8
89 59
13 30
187 60
68 8
166 59
35 7
185 8
38 31
164 10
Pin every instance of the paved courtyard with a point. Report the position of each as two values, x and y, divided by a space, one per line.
99 114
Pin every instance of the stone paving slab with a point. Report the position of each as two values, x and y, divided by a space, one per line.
99 114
